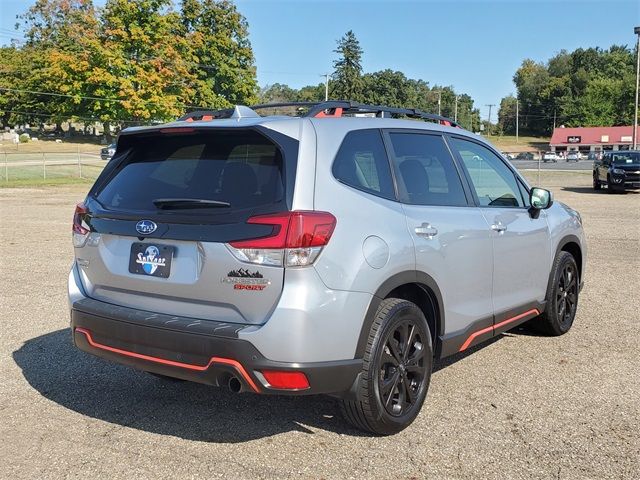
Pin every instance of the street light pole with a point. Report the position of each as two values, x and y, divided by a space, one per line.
636 30
326 86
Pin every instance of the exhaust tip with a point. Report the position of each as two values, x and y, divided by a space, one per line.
234 385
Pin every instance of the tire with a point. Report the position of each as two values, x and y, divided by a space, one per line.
398 324
562 297
596 183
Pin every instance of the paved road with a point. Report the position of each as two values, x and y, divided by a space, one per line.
522 407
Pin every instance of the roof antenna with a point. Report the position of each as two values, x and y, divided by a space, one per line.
241 111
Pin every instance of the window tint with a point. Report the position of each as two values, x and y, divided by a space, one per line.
494 183
240 167
426 173
362 163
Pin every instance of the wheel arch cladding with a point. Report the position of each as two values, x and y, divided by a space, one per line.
416 287
571 244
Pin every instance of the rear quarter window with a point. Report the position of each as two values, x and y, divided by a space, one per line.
362 163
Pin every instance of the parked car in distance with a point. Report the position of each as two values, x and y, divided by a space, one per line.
508 156
107 152
550 157
618 171
573 157
319 254
525 156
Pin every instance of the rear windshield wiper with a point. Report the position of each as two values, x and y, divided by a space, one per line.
176 203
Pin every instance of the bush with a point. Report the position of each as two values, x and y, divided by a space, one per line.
24 138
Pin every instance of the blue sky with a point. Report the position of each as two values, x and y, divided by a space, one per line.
475 46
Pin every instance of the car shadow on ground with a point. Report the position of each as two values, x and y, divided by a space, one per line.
124 396
590 190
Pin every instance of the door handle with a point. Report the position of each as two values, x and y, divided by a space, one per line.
498 227
426 230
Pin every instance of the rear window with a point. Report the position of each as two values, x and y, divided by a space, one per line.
240 167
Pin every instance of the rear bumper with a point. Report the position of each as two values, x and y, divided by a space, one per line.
194 350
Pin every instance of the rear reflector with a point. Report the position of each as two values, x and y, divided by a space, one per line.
286 380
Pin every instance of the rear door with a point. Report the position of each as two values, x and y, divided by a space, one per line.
164 209
521 243
451 237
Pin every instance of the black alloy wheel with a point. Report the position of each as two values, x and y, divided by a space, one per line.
562 297
402 367
396 370
567 295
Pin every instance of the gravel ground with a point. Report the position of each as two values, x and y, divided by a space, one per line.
523 406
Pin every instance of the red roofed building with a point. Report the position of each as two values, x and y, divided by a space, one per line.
591 139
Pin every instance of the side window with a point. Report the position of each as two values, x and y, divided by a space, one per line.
425 170
494 183
362 163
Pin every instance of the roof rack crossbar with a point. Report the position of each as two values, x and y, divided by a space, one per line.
379 110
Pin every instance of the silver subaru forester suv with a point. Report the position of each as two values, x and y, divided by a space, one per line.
339 251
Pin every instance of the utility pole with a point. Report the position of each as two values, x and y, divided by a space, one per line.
326 86
636 30
554 118
517 119
455 114
490 105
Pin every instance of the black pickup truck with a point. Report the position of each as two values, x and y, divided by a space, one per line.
618 170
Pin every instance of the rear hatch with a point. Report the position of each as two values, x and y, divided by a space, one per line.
162 213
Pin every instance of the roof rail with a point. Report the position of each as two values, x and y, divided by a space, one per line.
338 108
332 108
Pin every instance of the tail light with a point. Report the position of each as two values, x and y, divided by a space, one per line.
296 240
80 228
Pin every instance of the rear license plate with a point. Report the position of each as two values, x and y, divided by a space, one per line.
150 259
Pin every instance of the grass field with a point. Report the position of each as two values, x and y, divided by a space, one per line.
508 143
66 146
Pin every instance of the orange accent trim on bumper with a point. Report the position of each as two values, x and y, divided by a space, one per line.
466 344
199 368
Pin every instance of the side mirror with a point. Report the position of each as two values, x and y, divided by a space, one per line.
540 199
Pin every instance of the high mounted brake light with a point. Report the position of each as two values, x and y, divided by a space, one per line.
177 130
297 239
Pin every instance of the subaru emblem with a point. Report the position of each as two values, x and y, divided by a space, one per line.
145 227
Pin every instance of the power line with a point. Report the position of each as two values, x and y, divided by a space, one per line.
92 119
53 94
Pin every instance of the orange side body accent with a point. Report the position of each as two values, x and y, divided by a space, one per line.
199 368
465 345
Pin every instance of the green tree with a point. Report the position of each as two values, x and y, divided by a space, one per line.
507 115
277 93
222 60
347 81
